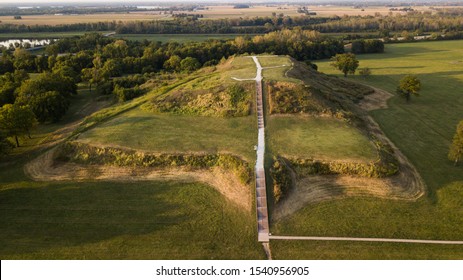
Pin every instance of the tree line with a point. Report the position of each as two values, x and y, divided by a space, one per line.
441 21
178 25
413 21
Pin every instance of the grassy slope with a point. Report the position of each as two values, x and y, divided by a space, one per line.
144 130
424 137
309 137
141 129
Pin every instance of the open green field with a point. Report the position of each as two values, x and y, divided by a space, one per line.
243 67
340 250
108 220
144 130
311 137
276 72
422 130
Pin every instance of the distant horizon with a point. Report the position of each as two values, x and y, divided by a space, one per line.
308 2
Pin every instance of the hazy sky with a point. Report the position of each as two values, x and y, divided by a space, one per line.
128 2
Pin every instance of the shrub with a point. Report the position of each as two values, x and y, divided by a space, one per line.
281 177
386 165
124 94
365 72
87 154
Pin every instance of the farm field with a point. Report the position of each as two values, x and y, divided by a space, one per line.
331 10
422 130
211 12
87 18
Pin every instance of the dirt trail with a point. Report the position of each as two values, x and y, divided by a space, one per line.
45 168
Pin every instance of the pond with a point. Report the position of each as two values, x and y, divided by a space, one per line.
25 42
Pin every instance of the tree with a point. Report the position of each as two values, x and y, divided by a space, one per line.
16 120
47 82
48 106
365 72
95 75
9 83
190 64
346 63
23 59
5 145
456 149
173 63
408 85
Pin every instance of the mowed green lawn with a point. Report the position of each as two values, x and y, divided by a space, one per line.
422 130
319 138
108 220
143 130
341 250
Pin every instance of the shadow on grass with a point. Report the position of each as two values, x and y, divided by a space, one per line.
49 216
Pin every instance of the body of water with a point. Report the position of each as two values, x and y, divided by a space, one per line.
23 42
148 7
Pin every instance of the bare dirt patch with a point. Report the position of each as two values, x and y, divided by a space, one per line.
376 100
45 168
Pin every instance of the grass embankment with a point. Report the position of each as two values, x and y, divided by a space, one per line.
320 138
139 129
174 132
303 136
422 130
